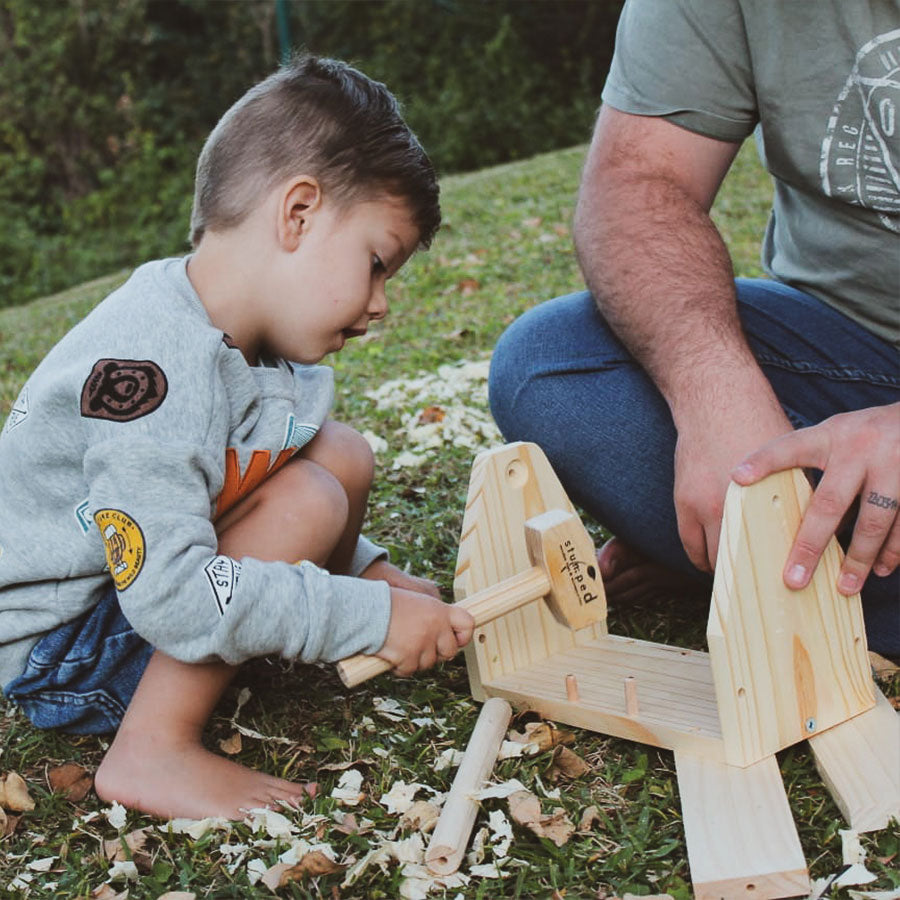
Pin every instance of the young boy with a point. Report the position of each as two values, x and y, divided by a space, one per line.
170 459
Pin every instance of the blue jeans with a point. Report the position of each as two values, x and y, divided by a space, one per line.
560 378
81 676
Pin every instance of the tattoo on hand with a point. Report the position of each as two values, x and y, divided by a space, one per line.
881 500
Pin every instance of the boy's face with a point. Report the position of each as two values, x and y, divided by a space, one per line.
334 283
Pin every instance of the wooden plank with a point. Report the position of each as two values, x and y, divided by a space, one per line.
508 486
859 761
676 702
786 664
741 837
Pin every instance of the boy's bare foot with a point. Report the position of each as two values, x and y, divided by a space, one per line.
175 778
628 576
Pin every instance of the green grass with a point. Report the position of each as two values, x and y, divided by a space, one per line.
505 247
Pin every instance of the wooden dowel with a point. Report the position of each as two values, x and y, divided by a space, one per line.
572 694
451 834
631 697
485 606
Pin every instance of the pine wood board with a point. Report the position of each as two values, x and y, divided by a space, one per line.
508 486
740 834
787 664
676 697
859 761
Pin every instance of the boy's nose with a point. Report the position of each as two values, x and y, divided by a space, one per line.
378 306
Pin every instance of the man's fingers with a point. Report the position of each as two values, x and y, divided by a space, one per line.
829 502
873 537
889 557
693 538
806 448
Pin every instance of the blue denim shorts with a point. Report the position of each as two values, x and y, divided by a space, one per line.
81 676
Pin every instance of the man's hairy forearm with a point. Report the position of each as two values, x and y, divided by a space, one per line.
663 279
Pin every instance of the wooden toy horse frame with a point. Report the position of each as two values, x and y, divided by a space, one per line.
782 667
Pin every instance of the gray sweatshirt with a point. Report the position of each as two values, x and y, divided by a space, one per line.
135 431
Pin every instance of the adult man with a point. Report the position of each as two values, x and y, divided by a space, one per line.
646 408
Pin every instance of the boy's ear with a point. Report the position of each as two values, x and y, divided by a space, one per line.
301 197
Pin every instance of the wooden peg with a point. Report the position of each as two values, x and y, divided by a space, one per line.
631 697
572 694
451 834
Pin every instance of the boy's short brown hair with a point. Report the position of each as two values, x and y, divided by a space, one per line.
318 117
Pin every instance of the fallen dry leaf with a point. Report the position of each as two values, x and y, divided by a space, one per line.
557 827
14 794
590 815
525 808
311 865
108 892
72 780
468 286
129 846
544 734
568 764
347 825
432 414
883 668
177 895
231 745
421 816
8 824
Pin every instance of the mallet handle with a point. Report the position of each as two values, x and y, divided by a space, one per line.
485 606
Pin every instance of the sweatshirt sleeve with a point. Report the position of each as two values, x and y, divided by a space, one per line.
151 505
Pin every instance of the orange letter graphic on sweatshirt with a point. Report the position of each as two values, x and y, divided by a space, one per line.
237 486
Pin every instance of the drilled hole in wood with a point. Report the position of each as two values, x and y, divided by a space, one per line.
751 887
742 693
517 473
776 500
482 638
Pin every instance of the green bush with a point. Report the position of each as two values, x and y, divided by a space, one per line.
104 104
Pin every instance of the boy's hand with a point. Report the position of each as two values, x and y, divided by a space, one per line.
382 570
423 630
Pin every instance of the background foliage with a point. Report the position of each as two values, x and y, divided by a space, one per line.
104 104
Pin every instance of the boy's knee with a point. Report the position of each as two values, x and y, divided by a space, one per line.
345 453
313 491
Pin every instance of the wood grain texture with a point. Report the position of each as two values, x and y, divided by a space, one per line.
786 664
859 761
741 837
454 827
508 486
677 702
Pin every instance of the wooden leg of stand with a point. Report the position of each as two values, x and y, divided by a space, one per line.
741 837
859 761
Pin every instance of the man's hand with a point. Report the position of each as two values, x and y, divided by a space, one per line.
707 449
859 455
423 630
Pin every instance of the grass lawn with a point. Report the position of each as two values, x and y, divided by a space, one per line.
506 245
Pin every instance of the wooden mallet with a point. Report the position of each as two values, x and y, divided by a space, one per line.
563 570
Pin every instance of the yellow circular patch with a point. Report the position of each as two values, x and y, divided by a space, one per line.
124 542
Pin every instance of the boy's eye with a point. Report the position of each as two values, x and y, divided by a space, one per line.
377 264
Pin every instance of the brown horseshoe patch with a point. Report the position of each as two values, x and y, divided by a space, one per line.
123 389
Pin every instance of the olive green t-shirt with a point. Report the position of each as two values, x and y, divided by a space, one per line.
819 83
